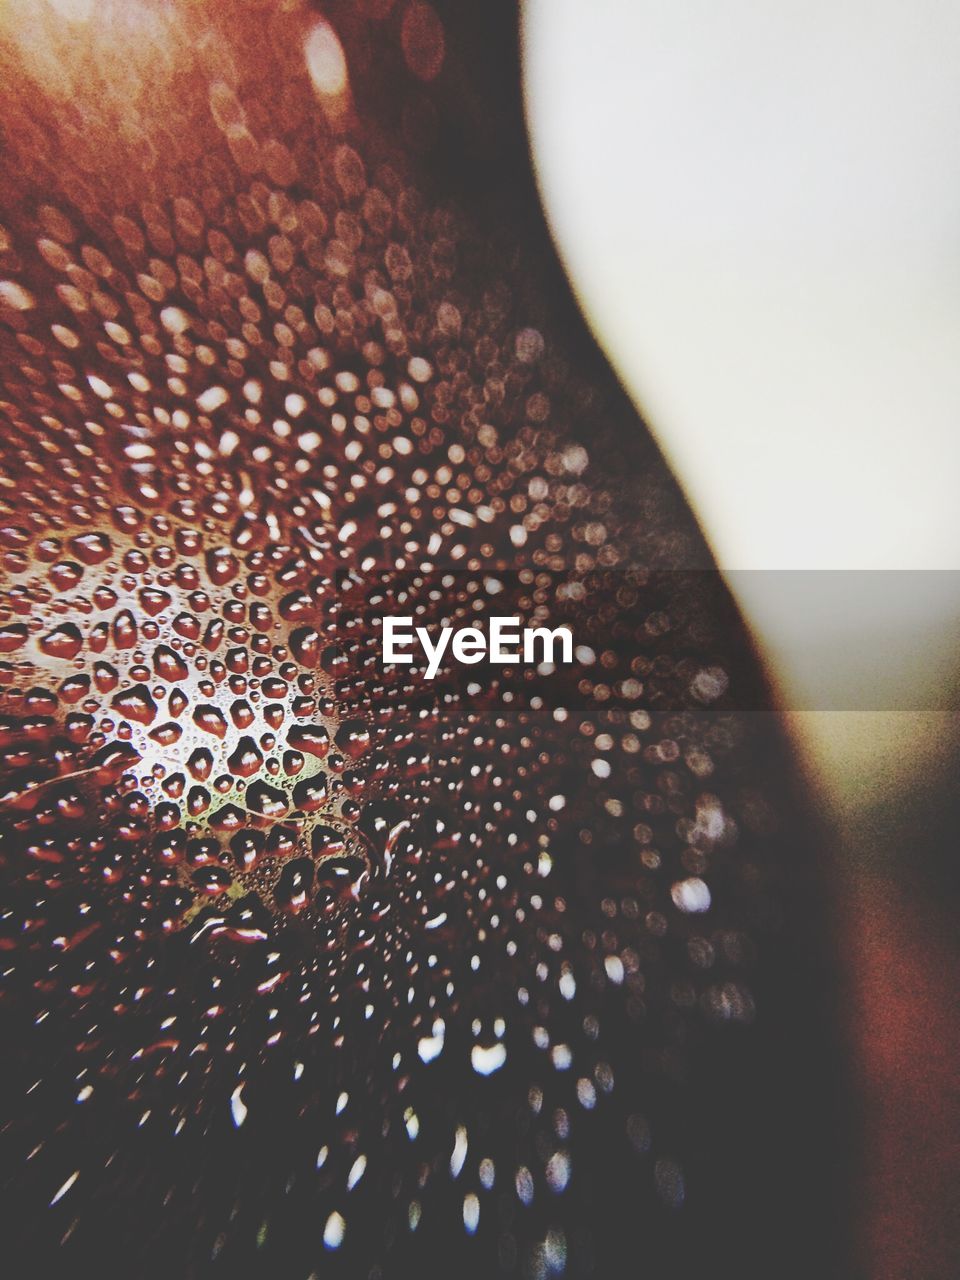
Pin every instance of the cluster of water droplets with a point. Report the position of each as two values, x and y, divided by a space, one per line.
257 395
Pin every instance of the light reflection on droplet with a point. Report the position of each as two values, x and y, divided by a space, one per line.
334 1230
325 60
691 896
459 1153
485 1061
238 1108
471 1212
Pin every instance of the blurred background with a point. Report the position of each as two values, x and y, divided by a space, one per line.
759 209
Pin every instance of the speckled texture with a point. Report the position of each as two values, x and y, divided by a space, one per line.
312 967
